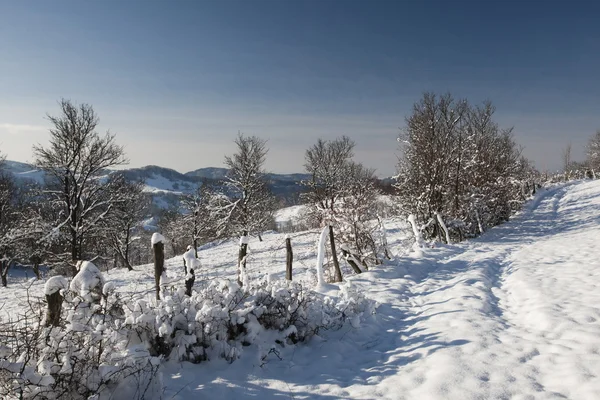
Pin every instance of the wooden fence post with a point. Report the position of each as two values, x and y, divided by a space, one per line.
54 301
288 259
242 257
159 261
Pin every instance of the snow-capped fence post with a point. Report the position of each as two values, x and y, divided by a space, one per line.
384 241
443 226
54 301
337 276
54 298
416 232
321 256
189 282
242 257
289 258
159 260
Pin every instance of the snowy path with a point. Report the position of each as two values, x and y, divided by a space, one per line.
512 315
515 312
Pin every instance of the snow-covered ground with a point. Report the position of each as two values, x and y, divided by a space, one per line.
514 314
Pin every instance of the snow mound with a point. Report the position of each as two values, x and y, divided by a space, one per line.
55 284
157 238
87 279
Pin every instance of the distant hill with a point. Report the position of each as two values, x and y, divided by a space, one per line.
208 173
166 185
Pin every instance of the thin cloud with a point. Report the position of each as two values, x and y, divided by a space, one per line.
16 129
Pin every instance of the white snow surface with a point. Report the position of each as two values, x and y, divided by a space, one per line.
190 259
54 284
514 314
289 214
157 238
88 277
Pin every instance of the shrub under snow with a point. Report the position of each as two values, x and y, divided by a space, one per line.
221 319
112 350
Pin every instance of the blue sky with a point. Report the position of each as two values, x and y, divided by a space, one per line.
176 80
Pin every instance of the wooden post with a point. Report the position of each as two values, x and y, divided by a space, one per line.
4 266
189 282
159 265
337 277
242 256
54 301
288 259
351 260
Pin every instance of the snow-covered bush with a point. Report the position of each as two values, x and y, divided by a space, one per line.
219 320
113 349
88 354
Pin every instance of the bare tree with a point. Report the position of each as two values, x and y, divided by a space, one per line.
126 216
593 153
246 203
196 223
566 156
357 215
74 160
456 161
327 163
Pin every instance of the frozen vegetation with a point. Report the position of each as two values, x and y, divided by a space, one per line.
512 314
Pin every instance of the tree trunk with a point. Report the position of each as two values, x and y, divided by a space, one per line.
73 253
242 257
36 271
336 264
159 265
195 241
127 263
74 245
288 259
54 301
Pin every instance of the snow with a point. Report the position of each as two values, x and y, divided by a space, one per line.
289 214
157 238
321 255
513 314
88 278
54 284
190 259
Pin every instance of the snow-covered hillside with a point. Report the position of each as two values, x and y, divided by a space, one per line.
166 185
514 314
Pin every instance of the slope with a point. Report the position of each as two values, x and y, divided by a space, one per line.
510 315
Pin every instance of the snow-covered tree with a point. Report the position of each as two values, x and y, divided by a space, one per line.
593 153
246 203
197 220
356 215
73 161
455 160
124 221
327 162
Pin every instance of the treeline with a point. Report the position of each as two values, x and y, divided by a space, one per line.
456 161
